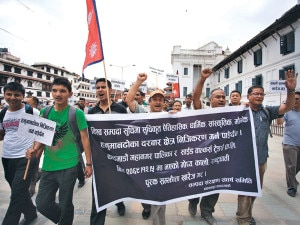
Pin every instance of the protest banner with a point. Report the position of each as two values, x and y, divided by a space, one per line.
36 128
277 86
118 84
160 158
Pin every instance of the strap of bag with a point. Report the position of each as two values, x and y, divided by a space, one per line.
267 113
74 128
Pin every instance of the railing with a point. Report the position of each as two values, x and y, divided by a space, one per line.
277 129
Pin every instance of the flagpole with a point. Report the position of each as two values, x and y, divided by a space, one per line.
28 164
107 89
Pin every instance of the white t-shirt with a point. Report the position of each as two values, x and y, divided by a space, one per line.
14 146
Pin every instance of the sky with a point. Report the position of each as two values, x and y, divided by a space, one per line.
134 32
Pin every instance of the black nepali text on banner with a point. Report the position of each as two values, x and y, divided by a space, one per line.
159 158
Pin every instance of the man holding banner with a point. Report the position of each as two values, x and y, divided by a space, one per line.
217 99
156 102
104 106
262 117
59 170
13 156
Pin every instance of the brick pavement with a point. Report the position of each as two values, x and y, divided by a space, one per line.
274 208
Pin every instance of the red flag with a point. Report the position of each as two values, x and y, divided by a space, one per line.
93 48
175 88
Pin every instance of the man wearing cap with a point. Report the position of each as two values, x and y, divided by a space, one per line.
156 103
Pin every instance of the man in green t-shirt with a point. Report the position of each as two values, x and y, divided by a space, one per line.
59 169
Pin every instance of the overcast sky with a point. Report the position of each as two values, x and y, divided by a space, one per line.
140 32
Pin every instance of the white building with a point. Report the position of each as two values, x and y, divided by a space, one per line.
188 63
262 59
37 78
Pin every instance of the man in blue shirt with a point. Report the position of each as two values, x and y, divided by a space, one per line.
291 145
262 127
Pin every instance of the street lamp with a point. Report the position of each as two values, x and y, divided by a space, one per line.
122 67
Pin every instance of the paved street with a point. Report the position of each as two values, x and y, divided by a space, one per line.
274 208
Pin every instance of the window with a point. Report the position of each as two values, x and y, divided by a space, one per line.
18 80
39 75
48 77
238 86
257 80
48 69
226 90
47 94
7 68
55 71
18 70
219 77
184 91
46 87
240 66
29 83
3 81
29 73
226 73
258 57
39 94
282 72
207 92
185 71
287 43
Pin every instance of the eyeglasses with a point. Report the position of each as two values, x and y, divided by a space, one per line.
258 94
296 99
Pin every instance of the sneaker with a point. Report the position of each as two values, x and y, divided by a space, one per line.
192 209
81 184
252 221
210 219
146 214
28 221
121 210
291 192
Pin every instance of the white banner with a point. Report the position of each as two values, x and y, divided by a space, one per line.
37 129
277 86
118 84
93 86
172 78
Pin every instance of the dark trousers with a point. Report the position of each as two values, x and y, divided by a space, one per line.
20 200
98 218
207 204
147 207
52 181
80 172
291 156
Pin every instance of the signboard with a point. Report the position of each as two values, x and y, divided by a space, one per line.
118 84
277 86
36 128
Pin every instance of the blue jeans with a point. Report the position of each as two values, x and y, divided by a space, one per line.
52 181
20 200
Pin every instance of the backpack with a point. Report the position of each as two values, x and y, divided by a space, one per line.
74 128
28 109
